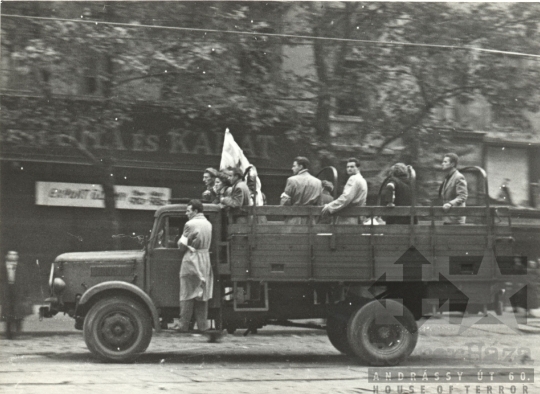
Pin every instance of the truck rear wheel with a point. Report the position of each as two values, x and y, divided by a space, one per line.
382 332
117 329
336 328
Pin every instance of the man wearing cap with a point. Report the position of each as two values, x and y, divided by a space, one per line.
354 194
209 177
240 195
301 189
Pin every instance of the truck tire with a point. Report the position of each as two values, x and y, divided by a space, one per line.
382 332
336 329
117 329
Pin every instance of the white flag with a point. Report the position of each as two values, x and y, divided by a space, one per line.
233 156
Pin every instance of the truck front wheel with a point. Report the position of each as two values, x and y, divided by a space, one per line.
117 329
382 332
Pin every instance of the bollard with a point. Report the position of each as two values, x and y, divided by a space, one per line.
13 324
12 258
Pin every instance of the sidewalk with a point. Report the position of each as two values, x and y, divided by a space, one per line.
58 324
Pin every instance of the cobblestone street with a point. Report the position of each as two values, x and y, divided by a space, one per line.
51 357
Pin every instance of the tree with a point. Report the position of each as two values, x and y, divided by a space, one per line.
229 79
393 90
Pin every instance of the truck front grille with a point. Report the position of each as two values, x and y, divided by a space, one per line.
111 270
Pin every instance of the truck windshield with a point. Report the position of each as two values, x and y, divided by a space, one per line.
169 232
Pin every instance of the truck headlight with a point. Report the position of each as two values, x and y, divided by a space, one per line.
58 286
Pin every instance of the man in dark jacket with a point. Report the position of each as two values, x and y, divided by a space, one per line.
453 190
209 177
239 196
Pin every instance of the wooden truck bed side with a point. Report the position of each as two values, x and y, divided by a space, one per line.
274 251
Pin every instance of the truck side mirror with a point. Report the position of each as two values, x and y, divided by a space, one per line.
145 241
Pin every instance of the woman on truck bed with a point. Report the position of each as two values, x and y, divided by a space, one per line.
397 192
222 187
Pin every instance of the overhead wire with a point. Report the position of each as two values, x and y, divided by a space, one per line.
279 35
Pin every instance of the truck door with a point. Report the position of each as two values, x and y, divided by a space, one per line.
164 262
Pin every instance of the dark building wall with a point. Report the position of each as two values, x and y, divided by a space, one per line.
43 232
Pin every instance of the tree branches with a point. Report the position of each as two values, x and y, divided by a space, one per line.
419 117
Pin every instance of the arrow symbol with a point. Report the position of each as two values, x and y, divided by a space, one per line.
452 293
375 288
412 261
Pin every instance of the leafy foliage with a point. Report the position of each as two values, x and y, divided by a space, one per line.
394 91
200 72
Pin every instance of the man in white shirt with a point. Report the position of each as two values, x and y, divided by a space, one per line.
354 194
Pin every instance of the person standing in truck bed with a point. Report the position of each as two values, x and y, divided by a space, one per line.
397 192
222 187
354 194
239 195
301 189
453 190
209 177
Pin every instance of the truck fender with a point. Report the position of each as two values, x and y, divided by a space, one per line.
119 285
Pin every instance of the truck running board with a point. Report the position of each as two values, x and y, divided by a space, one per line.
288 323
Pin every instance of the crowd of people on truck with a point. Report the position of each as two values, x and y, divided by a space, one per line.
234 189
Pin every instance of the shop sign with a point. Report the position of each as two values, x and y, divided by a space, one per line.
84 195
149 135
